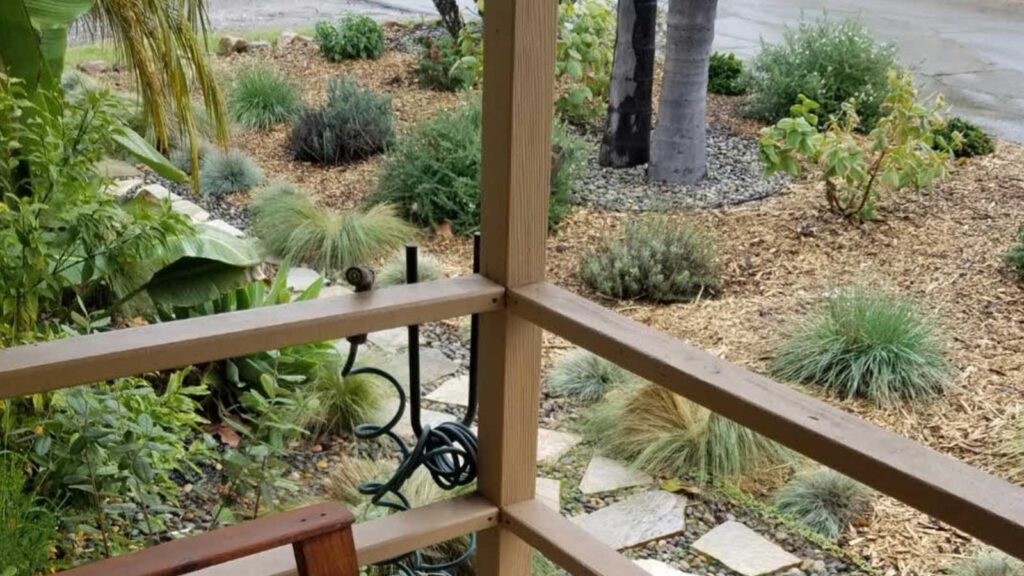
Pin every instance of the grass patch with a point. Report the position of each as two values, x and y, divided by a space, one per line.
393 273
228 172
824 500
261 97
1015 255
989 563
342 403
584 375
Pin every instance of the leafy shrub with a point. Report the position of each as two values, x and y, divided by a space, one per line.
662 433
586 376
964 138
989 563
439 66
355 123
1015 256
657 259
290 225
433 174
355 36
393 273
897 154
27 528
261 97
826 61
725 75
824 500
223 173
583 57
870 344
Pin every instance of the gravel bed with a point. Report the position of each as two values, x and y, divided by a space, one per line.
735 176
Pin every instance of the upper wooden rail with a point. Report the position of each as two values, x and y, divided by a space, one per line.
982 505
85 359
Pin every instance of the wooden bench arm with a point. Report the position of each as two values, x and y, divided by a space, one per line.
321 536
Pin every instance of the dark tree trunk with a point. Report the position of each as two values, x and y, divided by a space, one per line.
451 16
627 133
679 147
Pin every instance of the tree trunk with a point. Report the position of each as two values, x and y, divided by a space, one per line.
679 150
451 16
627 132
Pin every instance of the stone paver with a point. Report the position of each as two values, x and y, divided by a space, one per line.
434 365
636 520
122 187
391 340
157 192
743 550
226 228
300 278
552 444
191 209
604 474
404 426
659 568
454 390
549 492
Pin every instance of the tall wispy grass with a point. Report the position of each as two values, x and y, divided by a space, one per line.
584 375
261 97
824 500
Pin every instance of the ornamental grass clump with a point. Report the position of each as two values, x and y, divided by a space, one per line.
290 225
228 172
989 563
586 376
824 500
657 259
344 402
261 97
393 273
356 123
869 344
665 434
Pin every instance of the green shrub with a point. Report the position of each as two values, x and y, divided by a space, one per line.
228 172
665 434
824 500
27 528
261 97
870 344
827 61
354 124
989 563
1015 256
433 174
964 138
355 36
583 58
586 376
657 259
438 67
725 75
290 225
393 273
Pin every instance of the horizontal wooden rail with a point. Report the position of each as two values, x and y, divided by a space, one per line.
984 506
384 538
565 543
86 359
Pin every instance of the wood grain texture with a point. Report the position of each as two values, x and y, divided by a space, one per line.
190 554
86 359
986 507
565 543
331 554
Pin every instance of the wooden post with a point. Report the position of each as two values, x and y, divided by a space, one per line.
519 43
330 554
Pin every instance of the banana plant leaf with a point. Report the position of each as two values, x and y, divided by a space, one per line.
144 152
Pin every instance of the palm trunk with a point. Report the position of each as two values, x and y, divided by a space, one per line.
451 16
679 153
627 133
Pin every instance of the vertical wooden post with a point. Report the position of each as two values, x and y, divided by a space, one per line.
519 44
330 554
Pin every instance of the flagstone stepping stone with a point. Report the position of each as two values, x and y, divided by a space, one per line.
549 492
659 568
604 474
391 340
122 187
190 209
743 550
636 520
225 228
300 278
434 365
454 390
113 168
157 193
430 418
552 444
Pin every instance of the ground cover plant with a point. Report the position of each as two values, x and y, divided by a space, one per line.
870 344
354 36
27 527
261 97
828 61
824 500
355 123
656 259
725 75
666 434
584 375
227 172
965 138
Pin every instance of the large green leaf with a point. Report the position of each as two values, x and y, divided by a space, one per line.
138 147
20 52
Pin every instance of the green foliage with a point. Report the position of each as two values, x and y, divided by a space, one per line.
27 528
355 36
725 75
657 259
827 61
870 344
989 563
896 155
261 97
541 566
662 433
964 138
439 68
583 58
1015 255
586 376
342 403
223 173
824 500
433 174
355 123
182 157
290 225
393 273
